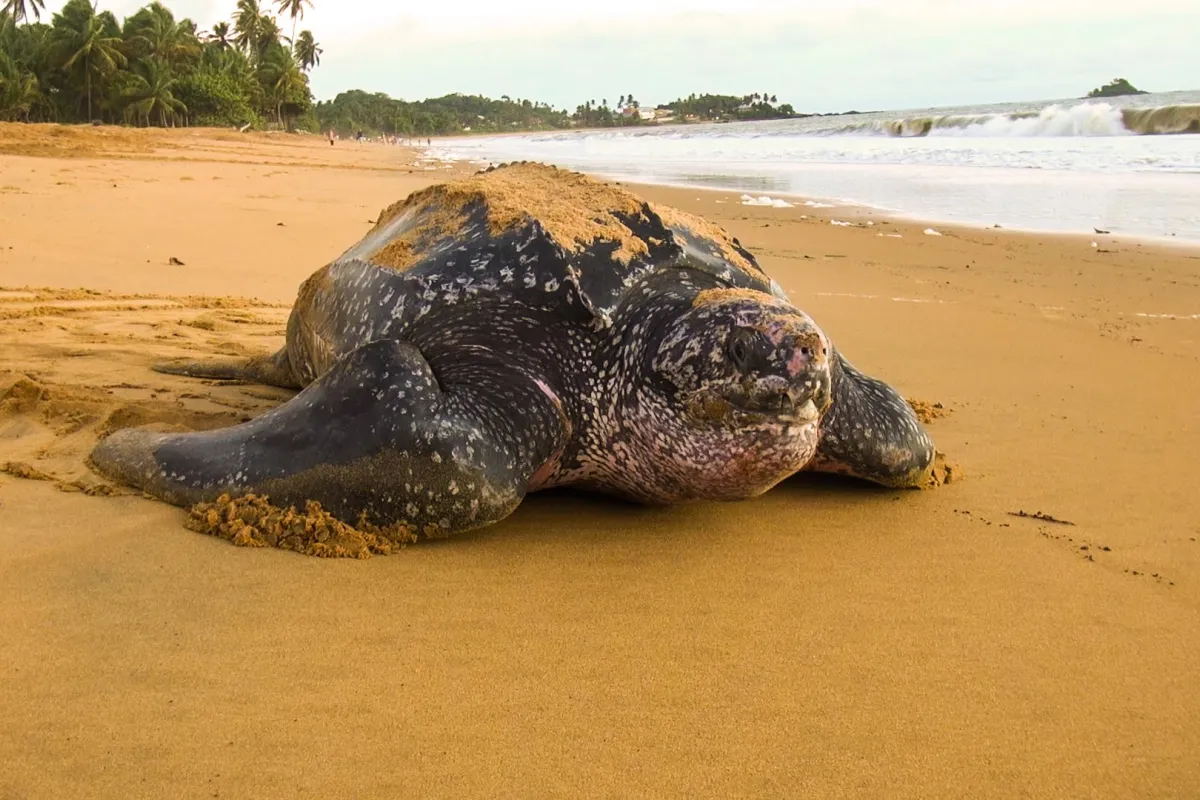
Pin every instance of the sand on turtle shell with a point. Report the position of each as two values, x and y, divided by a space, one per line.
703 229
575 210
434 224
251 521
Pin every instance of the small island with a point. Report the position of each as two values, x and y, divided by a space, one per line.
1118 88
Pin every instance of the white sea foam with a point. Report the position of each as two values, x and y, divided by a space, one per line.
1034 166
1168 316
763 200
1085 119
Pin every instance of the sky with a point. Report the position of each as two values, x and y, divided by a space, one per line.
818 55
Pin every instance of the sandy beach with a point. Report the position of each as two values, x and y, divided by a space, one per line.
829 639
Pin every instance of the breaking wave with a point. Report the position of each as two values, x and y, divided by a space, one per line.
1084 119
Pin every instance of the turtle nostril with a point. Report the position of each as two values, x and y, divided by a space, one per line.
805 351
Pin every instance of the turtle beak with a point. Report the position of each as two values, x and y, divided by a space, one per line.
807 367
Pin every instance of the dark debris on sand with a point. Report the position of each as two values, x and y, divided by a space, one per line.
1040 516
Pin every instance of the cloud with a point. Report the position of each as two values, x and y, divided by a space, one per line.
820 55
864 58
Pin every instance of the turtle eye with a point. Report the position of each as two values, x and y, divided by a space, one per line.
739 348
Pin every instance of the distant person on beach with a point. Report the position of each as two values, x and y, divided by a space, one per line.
331 137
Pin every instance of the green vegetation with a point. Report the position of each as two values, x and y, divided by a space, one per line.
1118 88
152 69
377 113
723 107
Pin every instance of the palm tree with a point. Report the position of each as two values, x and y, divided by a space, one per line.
281 79
153 93
219 38
235 65
81 36
19 9
18 89
294 9
155 32
268 35
247 26
307 52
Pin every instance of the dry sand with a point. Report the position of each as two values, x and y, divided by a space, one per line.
826 640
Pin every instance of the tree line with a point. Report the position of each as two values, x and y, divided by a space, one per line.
154 69
377 113
755 106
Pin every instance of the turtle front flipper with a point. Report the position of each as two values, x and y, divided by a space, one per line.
375 435
870 432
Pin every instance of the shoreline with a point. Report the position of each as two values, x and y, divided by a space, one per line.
861 212
861 209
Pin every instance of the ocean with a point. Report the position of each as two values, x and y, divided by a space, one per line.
1129 165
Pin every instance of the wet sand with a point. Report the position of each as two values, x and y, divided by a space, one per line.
826 640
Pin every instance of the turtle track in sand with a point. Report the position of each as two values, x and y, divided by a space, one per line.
76 367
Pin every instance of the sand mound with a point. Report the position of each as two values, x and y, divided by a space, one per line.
944 471
79 141
251 521
927 412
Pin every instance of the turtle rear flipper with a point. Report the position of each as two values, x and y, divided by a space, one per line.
871 433
273 370
375 435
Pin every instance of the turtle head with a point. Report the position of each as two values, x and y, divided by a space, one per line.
745 377
742 359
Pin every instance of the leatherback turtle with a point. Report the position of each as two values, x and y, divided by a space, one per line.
529 327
